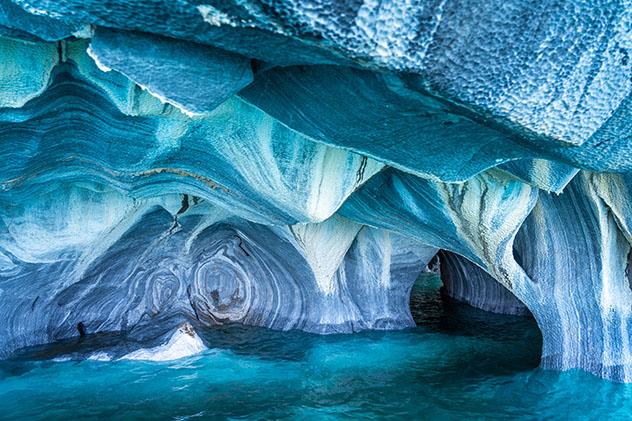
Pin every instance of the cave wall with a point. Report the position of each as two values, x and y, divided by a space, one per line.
465 282
295 164
87 254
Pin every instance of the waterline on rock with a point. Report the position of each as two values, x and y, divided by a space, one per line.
457 362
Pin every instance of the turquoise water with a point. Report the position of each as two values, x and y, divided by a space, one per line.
458 362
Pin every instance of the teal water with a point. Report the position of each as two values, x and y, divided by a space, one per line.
457 363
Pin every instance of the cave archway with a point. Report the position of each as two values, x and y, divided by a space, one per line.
465 281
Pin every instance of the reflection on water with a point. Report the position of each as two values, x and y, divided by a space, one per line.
458 362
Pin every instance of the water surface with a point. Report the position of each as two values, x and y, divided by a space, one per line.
458 362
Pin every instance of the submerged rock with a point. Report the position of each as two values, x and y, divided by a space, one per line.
296 164
184 342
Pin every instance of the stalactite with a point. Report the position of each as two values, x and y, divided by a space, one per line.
295 164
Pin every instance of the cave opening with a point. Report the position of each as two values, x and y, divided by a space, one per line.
486 340
455 352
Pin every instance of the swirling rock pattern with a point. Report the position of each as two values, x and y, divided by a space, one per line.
564 256
154 263
576 255
466 282
295 164
236 155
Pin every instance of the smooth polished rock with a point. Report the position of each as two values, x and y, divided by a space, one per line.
195 78
25 71
184 342
573 249
84 255
466 282
236 156
295 164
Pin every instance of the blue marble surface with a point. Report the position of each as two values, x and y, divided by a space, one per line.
457 363
173 165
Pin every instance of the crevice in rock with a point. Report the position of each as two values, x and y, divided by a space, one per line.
466 282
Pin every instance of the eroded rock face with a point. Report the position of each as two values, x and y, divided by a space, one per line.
295 164
466 282
84 254
576 255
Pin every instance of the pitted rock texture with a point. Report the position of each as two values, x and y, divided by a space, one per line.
295 164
